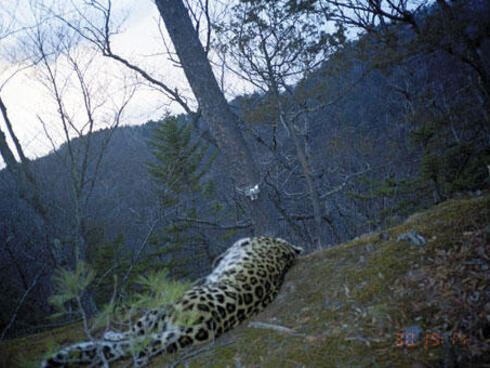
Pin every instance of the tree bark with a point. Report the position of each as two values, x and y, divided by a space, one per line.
312 189
222 123
28 187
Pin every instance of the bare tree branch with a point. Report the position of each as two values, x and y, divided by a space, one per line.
213 224
20 303
135 258
101 38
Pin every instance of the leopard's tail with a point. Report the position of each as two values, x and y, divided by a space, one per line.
115 346
94 353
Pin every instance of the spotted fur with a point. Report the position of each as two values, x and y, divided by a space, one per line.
245 279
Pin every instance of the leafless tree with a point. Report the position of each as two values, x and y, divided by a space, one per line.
223 124
68 70
273 49
442 28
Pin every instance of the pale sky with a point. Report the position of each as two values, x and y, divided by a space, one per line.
140 42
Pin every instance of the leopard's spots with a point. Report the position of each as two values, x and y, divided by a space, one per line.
245 279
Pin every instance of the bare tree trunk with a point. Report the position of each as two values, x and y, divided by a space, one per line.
222 123
312 189
28 188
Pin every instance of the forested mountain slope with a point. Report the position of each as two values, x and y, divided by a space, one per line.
387 129
384 300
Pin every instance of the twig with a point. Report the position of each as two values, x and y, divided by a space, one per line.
345 182
101 278
20 303
197 352
213 224
138 252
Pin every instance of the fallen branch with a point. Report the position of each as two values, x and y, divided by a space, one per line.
273 327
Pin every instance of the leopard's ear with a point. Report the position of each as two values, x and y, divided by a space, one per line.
217 260
297 250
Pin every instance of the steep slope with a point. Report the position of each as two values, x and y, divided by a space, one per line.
377 301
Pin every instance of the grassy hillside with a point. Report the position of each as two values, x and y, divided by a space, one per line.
352 305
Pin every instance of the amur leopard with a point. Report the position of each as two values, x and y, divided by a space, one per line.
244 280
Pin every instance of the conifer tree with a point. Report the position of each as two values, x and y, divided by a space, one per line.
181 162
